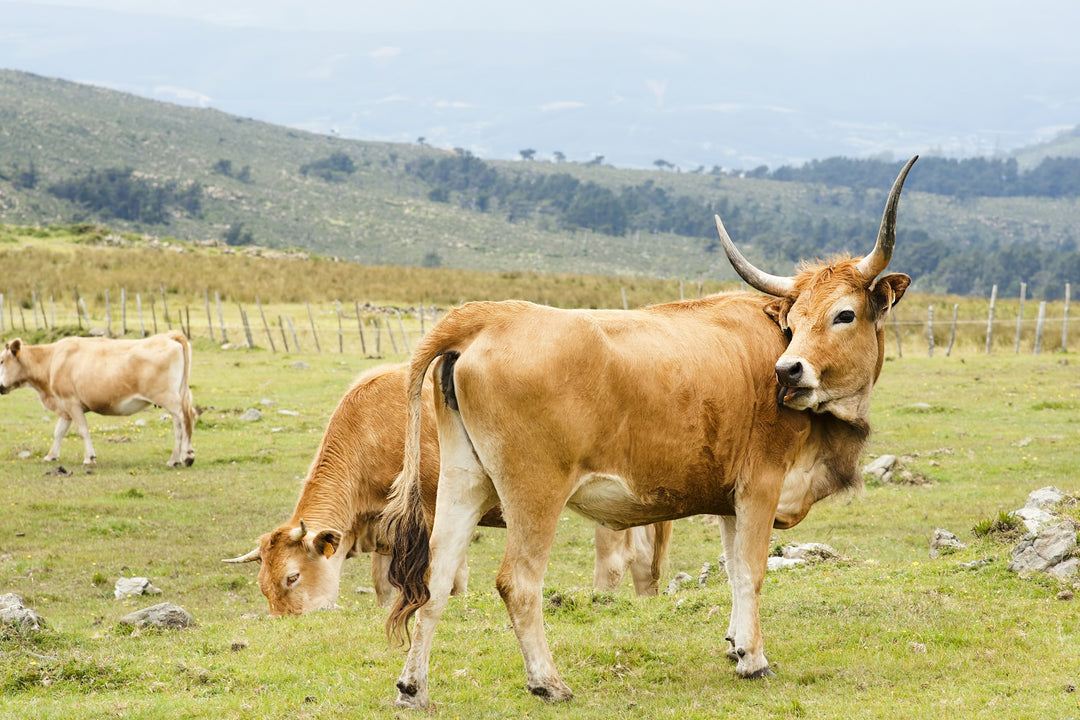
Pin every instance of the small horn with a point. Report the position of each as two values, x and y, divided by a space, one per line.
777 285
878 259
253 555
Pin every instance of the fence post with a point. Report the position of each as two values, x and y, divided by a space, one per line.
247 326
952 332
314 334
284 340
78 317
221 317
209 317
266 325
153 313
421 313
292 329
625 306
165 308
360 326
404 337
990 319
340 332
82 304
123 311
1039 327
52 310
896 332
390 334
1020 318
33 301
138 305
930 331
1065 322
108 315
41 304
378 336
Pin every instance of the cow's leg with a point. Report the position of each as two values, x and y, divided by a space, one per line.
755 508
63 423
384 591
461 578
727 535
530 530
465 494
79 417
646 578
614 554
178 439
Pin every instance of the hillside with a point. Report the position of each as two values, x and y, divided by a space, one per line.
279 187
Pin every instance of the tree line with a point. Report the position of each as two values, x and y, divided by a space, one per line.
120 193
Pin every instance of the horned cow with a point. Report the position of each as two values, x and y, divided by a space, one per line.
744 405
107 376
346 489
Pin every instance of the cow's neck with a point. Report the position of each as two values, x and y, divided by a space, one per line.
336 494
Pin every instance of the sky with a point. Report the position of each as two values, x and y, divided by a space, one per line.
694 82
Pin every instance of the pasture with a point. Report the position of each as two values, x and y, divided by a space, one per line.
887 632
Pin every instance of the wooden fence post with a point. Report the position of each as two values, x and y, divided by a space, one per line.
378 336
1039 327
138 306
33 302
930 331
404 337
625 306
1020 318
82 304
209 317
266 325
340 331
41 304
52 310
284 340
952 332
990 318
314 334
165 308
123 311
108 315
421 313
292 329
247 326
221 318
360 326
78 317
1065 322
153 313
390 333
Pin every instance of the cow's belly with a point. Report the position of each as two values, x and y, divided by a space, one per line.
610 501
123 406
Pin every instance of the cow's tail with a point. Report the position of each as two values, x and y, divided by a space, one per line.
661 543
187 404
403 523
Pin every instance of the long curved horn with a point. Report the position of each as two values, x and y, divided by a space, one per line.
772 284
878 259
253 555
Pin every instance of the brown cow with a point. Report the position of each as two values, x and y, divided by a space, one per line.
346 489
744 405
78 375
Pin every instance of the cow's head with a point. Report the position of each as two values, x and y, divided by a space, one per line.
834 313
12 375
299 569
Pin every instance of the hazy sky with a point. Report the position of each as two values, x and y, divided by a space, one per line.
702 81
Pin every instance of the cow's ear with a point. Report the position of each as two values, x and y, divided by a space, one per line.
15 346
888 289
327 542
778 311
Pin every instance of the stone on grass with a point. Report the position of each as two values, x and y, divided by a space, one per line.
15 614
251 415
163 615
944 542
783 563
810 551
1053 545
881 468
127 587
677 582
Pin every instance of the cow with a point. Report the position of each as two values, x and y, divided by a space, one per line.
751 406
343 495
77 375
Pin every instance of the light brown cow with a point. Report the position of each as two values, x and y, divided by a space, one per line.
631 417
78 375
346 488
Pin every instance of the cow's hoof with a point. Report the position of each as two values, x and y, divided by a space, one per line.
761 674
411 697
189 461
552 692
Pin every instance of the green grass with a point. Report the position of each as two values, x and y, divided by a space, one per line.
886 633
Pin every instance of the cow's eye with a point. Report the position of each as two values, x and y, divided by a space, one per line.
844 317
291 579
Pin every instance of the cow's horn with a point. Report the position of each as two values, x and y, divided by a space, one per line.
772 284
878 259
253 555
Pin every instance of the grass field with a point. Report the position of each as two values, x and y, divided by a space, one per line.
886 633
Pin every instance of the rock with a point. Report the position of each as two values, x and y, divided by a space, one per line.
128 587
810 551
251 415
300 365
290 413
881 467
14 613
1051 546
1066 568
783 563
1044 497
976 564
677 582
164 615
944 542
1034 519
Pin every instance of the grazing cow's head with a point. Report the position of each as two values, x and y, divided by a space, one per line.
12 375
298 570
834 314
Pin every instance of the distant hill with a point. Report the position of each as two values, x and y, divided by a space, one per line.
1065 144
71 153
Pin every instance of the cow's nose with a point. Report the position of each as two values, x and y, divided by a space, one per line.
789 372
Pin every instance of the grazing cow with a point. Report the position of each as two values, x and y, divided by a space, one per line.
749 406
346 489
78 375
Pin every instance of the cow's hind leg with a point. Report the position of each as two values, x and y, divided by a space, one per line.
614 554
465 494
727 534
530 530
63 423
79 417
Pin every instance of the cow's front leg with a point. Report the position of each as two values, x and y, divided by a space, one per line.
384 591
727 534
755 508
62 425
177 457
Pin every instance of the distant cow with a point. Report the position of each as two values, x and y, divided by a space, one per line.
745 405
78 375
341 502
